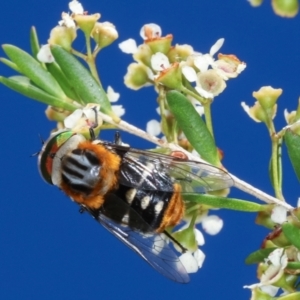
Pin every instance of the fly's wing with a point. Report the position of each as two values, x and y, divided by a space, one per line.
152 247
153 171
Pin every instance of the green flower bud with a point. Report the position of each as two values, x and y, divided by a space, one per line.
285 8
104 34
63 36
86 22
137 76
267 96
161 44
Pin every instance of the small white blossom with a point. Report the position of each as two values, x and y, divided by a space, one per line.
76 7
83 118
129 46
212 224
159 62
150 31
279 214
277 261
44 55
153 127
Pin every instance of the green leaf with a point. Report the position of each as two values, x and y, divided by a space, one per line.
292 141
292 296
193 127
63 81
34 71
23 86
81 79
34 42
224 202
10 64
292 233
259 255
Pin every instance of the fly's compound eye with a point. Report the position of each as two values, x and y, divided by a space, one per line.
49 151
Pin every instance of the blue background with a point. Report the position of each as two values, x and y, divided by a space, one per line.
50 251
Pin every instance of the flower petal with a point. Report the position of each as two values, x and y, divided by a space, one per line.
216 46
44 55
189 262
159 62
212 224
189 73
76 7
279 214
112 95
129 46
153 127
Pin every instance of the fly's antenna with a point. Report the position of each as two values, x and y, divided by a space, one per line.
42 142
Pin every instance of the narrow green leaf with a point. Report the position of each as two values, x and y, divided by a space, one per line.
34 42
63 81
33 70
292 141
294 265
10 64
224 202
81 79
259 256
292 233
23 86
193 127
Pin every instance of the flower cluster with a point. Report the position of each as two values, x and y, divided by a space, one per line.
179 67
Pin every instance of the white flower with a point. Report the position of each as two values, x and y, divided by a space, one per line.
212 224
83 118
279 214
277 262
112 95
129 46
203 61
159 62
153 127
150 31
67 21
76 7
44 55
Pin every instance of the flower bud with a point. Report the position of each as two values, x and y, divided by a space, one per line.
267 96
162 44
63 36
104 34
257 113
137 76
180 53
186 238
86 22
143 55
285 8
170 77
255 3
